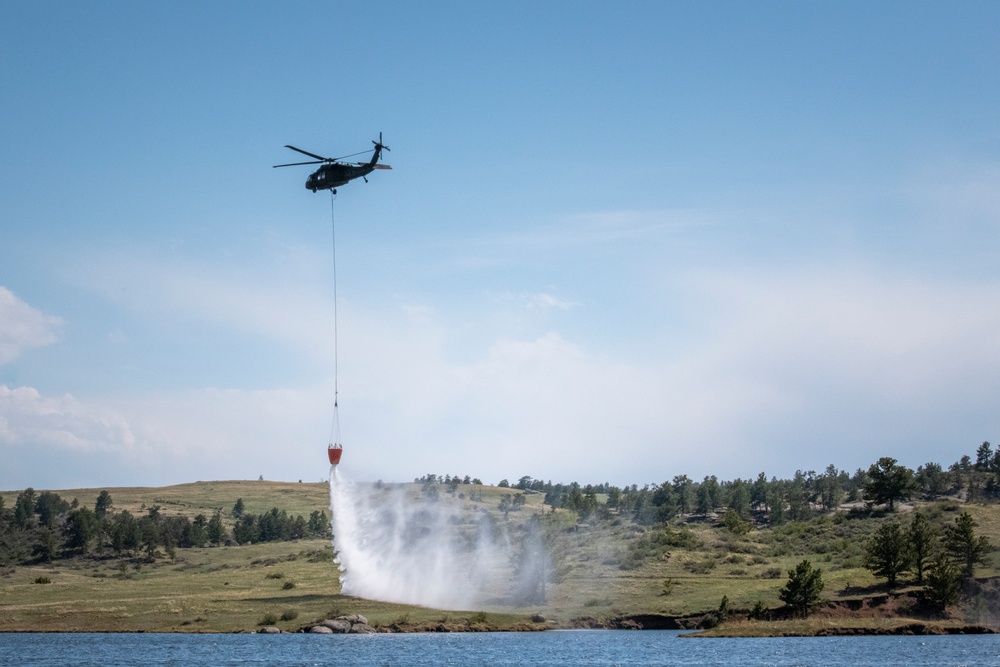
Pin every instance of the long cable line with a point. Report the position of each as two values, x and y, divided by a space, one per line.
335 429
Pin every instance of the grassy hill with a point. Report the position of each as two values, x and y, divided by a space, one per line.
606 568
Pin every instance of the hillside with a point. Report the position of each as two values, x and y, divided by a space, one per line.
603 569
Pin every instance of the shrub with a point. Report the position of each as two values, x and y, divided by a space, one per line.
269 619
759 611
43 580
700 567
598 602
288 585
289 615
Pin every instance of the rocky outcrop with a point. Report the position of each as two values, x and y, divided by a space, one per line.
355 623
335 625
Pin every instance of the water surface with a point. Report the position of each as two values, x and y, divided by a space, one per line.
557 648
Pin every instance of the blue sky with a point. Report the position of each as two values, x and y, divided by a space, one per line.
618 243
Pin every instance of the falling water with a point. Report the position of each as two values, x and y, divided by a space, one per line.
408 548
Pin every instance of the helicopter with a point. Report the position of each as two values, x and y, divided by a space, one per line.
335 173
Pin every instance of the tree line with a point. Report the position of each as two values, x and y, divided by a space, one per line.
43 527
777 501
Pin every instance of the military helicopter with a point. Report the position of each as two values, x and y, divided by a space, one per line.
335 173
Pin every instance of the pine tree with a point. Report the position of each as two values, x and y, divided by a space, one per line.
920 540
886 554
944 586
215 531
962 545
103 505
887 483
802 590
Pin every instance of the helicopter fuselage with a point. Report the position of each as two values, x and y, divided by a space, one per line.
334 175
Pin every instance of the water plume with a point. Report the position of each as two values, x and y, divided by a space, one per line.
399 545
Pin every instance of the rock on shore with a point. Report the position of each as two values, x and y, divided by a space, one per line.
342 625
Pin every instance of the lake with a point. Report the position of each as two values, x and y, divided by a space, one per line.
570 648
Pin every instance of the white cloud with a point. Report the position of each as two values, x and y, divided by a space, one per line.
22 327
542 301
28 419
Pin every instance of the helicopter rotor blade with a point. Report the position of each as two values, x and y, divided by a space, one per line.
351 155
379 144
295 164
318 157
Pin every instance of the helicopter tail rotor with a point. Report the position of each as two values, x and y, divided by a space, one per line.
379 145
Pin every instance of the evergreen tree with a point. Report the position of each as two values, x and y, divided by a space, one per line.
797 493
944 586
704 502
759 493
125 534
931 479
196 533
614 497
735 524
48 506
886 554
829 488
776 494
81 529
801 593
962 545
319 524
245 530
215 530
682 492
46 545
103 505
297 528
714 491
920 540
664 502
739 498
888 482
149 533
24 509
984 457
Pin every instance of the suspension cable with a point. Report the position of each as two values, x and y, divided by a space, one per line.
335 429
